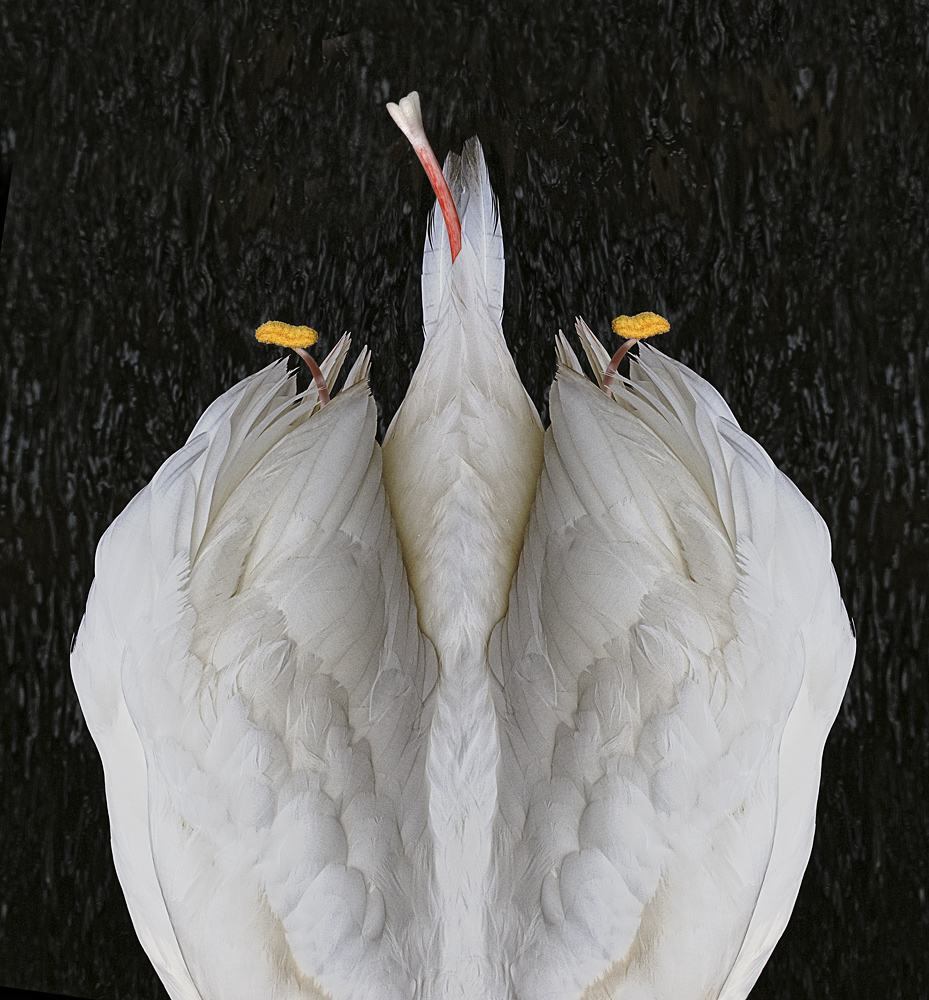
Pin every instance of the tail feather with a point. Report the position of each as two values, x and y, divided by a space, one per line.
481 223
469 183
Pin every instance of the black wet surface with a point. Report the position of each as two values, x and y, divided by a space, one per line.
757 172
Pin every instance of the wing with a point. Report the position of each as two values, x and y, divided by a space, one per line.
674 653
252 670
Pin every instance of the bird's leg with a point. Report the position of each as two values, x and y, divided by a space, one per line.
632 328
408 116
296 338
321 386
613 367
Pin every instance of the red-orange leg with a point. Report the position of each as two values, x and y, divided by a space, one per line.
440 186
408 116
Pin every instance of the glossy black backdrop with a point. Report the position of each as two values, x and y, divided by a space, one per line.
755 171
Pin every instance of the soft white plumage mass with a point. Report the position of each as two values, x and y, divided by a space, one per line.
487 713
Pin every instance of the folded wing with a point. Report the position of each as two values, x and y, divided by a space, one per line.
252 670
674 653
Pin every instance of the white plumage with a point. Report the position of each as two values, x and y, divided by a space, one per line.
489 714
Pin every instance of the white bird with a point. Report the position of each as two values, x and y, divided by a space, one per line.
492 713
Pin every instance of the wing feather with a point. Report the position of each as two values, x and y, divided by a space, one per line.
277 684
654 677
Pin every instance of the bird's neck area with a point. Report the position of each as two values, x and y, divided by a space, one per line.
461 464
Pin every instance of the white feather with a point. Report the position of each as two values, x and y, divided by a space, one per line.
269 677
460 515
664 659
469 183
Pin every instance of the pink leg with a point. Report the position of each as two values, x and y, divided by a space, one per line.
613 366
321 386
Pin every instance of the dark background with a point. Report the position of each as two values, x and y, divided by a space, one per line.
756 171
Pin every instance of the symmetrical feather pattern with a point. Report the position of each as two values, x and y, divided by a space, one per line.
494 713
